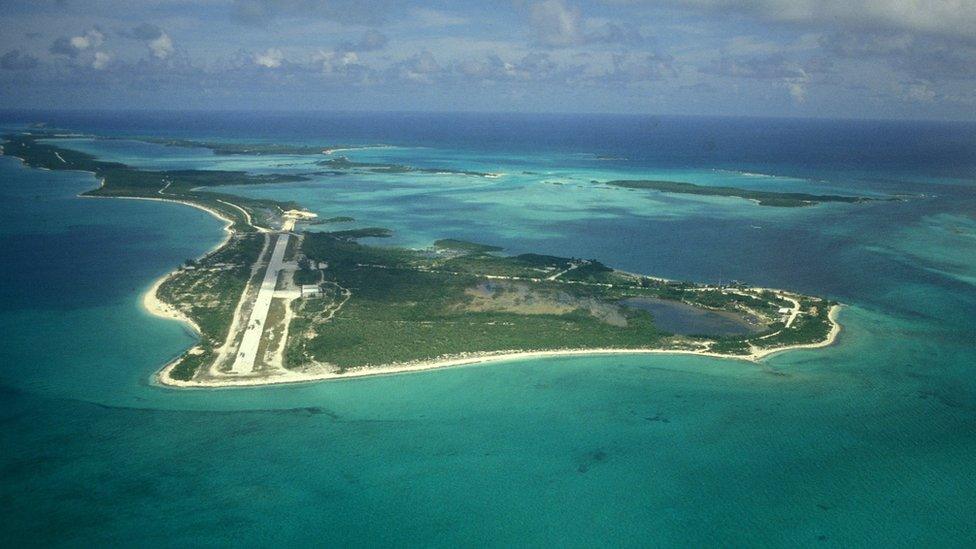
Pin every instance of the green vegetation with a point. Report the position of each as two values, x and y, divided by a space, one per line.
398 313
306 274
229 149
464 246
382 305
763 198
189 364
410 305
191 186
342 163
207 291
367 232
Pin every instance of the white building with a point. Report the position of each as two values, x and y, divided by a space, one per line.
311 290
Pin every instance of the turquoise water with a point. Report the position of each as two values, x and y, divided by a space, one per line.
867 443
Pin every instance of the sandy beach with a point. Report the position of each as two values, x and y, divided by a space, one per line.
150 301
162 377
159 308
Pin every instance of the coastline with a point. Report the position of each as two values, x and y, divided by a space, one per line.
155 306
150 301
162 376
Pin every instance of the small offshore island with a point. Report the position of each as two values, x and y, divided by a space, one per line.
272 304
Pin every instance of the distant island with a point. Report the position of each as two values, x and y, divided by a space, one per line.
338 164
763 198
274 304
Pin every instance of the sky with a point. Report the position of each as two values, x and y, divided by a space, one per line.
902 59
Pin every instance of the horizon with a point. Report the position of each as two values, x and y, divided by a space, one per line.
53 110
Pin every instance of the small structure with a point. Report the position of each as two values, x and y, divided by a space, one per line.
311 290
784 315
300 214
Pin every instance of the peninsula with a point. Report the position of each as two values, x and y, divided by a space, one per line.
276 304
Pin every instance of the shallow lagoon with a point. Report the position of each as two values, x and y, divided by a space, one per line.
682 319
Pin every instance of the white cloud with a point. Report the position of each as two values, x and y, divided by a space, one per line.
101 60
270 59
91 39
419 68
337 61
798 91
161 47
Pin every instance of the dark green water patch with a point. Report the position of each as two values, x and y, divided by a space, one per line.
683 319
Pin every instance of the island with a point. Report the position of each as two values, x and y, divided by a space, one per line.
763 198
277 302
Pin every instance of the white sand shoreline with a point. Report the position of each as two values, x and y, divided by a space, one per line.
152 304
162 378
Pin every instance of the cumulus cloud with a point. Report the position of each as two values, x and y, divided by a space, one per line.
271 58
16 60
533 66
422 67
793 75
161 47
640 67
159 43
798 90
343 66
91 39
101 60
74 45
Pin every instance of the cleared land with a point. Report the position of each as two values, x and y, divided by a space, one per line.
247 353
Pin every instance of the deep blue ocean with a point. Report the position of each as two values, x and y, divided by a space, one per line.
870 442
